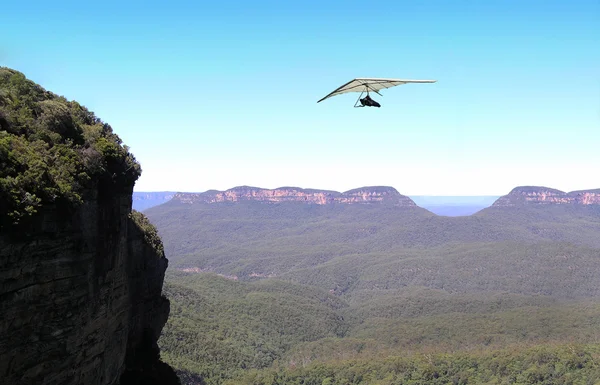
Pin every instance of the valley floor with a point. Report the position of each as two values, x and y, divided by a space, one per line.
276 332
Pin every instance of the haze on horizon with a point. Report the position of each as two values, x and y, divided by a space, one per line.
213 96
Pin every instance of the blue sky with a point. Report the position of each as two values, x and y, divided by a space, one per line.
211 95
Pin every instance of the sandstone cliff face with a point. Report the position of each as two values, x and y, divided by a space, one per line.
544 195
79 296
387 195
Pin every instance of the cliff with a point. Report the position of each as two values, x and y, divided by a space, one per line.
81 275
364 195
532 195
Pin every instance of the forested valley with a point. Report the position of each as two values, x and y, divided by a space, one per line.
305 294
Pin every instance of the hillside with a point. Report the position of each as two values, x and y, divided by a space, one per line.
345 247
222 329
547 364
242 325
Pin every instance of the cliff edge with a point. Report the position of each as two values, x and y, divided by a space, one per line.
537 195
363 195
81 275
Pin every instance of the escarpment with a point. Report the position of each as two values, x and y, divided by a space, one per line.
81 275
544 196
364 195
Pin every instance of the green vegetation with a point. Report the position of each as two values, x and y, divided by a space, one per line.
240 237
149 230
346 294
221 329
344 248
53 151
548 364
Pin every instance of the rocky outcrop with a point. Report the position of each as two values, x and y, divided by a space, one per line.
363 195
544 196
375 195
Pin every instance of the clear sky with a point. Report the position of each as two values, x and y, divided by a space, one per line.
216 94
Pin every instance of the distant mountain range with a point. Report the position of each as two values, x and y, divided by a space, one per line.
145 200
440 205
363 195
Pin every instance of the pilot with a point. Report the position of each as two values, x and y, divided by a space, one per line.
367 101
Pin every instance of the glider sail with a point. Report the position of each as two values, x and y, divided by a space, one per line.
371 84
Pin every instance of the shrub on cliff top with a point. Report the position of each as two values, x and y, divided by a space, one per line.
150 233
52 150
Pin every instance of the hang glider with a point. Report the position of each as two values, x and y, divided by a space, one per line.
363 85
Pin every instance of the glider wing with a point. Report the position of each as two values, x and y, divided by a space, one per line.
371 84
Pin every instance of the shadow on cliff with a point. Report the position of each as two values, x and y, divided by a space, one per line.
150 309
145 367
